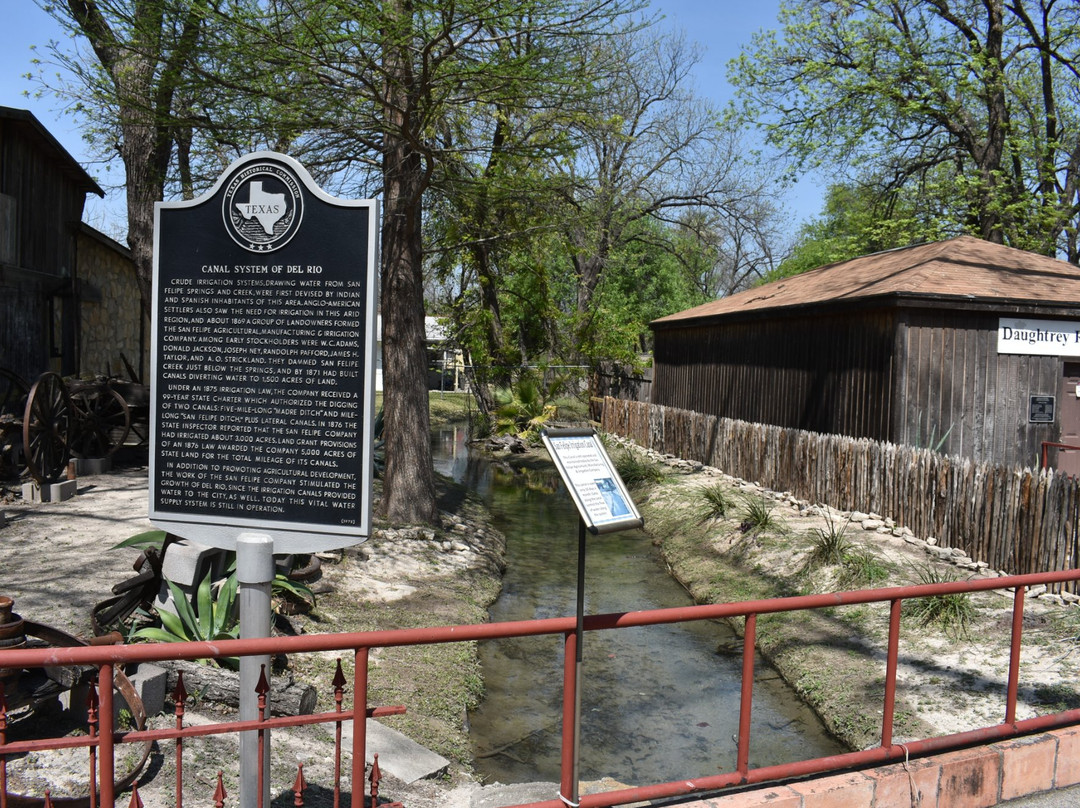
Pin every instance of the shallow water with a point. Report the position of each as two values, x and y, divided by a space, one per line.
659 703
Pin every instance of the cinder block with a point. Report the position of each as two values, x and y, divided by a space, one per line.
1068 757
53 492
772 796
186 564
970 778
150 682
914 782
839 791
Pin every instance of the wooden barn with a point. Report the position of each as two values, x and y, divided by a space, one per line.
42 193
964 345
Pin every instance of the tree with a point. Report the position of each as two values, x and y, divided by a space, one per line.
649 150
146 51
397 83
973 100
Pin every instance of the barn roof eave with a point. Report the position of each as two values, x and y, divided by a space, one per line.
894 300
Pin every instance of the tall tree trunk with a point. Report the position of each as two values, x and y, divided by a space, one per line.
409 479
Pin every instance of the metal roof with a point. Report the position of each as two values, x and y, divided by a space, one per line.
960 269
71 166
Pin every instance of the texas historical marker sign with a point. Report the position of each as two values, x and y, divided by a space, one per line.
263 361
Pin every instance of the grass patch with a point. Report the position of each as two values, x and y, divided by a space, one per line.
716 502
952 613
637 470
757 513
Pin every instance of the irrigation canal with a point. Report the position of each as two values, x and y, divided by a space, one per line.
659 703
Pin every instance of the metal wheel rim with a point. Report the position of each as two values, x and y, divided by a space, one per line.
102 422
47 428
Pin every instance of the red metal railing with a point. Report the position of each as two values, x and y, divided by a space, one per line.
102 742
1049 444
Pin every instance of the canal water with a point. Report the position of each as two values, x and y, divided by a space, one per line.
659 703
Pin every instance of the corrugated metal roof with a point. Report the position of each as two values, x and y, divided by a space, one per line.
962 268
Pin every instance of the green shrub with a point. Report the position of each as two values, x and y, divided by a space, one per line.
757 513
953 613
831 544
861 568
636 469
716 502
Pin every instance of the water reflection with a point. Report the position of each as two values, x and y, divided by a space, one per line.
658 703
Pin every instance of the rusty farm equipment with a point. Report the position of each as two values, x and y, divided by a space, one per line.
44 425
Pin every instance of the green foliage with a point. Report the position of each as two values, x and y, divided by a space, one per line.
757 513
524 409
831 544
862 568
213 616
151 538
960 120
636 469
716 502
953 612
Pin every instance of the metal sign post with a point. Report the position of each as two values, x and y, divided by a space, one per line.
263 393
604 506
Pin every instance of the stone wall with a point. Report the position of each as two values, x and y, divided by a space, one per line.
111 312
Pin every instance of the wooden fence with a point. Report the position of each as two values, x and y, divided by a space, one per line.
1016 520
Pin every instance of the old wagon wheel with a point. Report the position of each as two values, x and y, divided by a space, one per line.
47 424
101 424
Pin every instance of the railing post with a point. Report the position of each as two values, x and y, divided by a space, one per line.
746 697
570 731
179 706
107 763
889 708
1014 655
359 728
3 740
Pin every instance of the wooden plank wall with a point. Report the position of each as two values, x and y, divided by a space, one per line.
956 383
1015 519
42 211
825 374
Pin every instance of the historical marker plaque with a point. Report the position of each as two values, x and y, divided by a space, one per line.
263 361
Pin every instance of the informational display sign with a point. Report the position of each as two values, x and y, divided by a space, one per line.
1041 409
597 489
1038 337
263 361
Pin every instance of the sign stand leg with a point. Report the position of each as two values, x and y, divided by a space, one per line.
255 576
575 798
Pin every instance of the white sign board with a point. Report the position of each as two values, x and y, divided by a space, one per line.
1038 337
597 489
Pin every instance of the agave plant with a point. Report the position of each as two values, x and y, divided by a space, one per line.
213 616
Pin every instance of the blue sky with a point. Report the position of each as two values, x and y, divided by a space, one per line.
721 27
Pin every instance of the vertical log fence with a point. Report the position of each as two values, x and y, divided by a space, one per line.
1017 520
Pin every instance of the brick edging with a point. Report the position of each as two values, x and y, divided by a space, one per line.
979 777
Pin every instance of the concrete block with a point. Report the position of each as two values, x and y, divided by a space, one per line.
839 791
970 778
186 564
53 492
149 682
771 796
399 756
900 783
1068 757
87 466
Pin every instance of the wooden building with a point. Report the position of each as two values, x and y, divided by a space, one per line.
964 345
42 193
